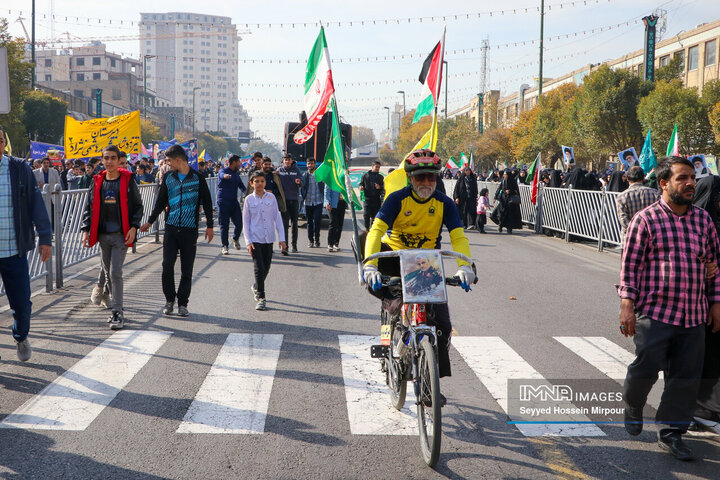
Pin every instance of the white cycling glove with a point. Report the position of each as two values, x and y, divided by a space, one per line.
372 277
466 276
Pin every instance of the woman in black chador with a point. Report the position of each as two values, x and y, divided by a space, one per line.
507 213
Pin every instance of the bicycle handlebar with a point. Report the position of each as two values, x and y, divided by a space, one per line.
395 253
389 281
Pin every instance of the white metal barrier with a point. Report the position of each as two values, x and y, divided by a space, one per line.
67 234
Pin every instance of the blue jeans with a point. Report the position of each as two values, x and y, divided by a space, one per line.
16 280
314 217
226 212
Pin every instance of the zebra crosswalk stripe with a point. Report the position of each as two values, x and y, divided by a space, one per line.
367 395
235 395
74 399
494 362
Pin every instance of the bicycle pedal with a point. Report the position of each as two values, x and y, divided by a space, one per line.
379 351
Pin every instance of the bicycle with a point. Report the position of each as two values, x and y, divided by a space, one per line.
408 351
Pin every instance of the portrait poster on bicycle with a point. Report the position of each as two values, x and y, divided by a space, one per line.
423 278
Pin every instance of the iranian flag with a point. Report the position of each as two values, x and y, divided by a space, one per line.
319 87
464 161
534 173
452 163
431 78
674 144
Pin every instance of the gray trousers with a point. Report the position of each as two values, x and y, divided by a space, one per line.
679 353
112 252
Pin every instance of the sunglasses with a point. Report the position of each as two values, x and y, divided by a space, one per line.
422 177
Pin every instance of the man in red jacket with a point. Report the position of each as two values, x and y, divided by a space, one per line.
112 216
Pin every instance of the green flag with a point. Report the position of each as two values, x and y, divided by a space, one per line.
674 144
531 170
648 161
332 170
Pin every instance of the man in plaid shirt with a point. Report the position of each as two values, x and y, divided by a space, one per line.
667 298
635 198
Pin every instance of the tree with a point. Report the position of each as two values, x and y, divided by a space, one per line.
714 117
493 148
671 104
672 71
456 135
388 156
44 117
362 136
411 133
148 131
606 111
20 76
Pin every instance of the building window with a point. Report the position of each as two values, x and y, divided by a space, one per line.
112 62
96 76
79 93
693 58
48 78
116 94
80 62
96 60
681 55
710 52
664 60
48 62
80 77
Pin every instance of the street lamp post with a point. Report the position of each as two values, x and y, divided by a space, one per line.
446 77
194 90
218 122
388 110
145 59
403 94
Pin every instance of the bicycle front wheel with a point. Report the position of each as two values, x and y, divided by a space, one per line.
429 408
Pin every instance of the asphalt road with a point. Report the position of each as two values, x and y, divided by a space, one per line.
146 400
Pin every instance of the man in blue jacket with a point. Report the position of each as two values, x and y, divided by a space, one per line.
22 211
229 182
313 193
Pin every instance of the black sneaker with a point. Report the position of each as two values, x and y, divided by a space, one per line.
183 311
674 445
117 321
633 420
285 252
168 308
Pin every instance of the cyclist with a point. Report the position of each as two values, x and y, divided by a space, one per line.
413 217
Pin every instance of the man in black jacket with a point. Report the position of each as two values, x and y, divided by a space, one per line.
112 216
372 186
465 196
290 176
22 211
184 190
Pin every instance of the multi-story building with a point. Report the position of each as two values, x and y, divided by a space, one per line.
80 64
698 49
191 60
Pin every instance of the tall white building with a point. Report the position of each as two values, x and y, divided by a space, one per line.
188 52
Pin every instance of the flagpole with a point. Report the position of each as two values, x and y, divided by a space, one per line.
349 190
437 94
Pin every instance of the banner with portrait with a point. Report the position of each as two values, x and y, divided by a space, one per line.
568 156
700 165
88 138
190 147
629 158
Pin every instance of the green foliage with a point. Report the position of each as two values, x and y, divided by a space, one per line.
20 77
388 156
44 117
714 117
456 135
411 133
606 111
671 103
710 94
148 131
362 136
672 71
493 148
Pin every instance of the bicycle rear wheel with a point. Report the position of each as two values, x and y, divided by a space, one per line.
429 408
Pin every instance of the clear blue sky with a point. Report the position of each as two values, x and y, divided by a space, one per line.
278 94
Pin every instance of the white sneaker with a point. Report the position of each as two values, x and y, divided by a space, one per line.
256 296
336 248
260 305
330 248
23 350
225 250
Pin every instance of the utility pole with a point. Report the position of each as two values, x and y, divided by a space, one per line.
194 90
446 77
145 59
218 122
32 46
403 94
542 22
483 84
388 127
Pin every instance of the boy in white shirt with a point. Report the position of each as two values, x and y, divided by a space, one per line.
261 218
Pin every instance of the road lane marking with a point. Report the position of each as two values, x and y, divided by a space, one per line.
556 459
235 395
73 400
367 395
610 358
495 362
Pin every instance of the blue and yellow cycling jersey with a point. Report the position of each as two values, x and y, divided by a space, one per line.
404 221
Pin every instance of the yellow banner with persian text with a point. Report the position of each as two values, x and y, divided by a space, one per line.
88 138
